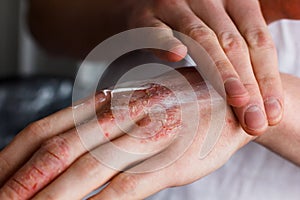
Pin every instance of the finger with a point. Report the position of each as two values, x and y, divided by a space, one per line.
193 27
44 166
29 140
183 171
174 49
236 50
66 148
130 185
251 24
58 153
124 151
100 165
162 170
134 186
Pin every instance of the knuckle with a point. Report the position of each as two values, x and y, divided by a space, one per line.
232 42
200 33
259 38
224 68
252 88
87 165
266 81
56 149
125 184
4 164
39 128
16 189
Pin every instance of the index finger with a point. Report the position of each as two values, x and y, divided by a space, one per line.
30 139
263 54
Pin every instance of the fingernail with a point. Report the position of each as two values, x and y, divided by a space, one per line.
234 87
255 118
273 109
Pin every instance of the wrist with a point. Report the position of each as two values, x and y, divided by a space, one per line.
284 138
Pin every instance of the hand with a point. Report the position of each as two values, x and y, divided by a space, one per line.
235 35
50 158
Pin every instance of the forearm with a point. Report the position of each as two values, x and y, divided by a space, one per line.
75 27
284 139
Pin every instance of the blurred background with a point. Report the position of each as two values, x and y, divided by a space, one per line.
33 84
19 53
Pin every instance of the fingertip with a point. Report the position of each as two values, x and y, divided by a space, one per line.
255 121
274 110
175 54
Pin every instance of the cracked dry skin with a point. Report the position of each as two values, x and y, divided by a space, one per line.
161 117
44 166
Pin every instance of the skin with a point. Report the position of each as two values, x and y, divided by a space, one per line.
56 156
233 32
50 162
